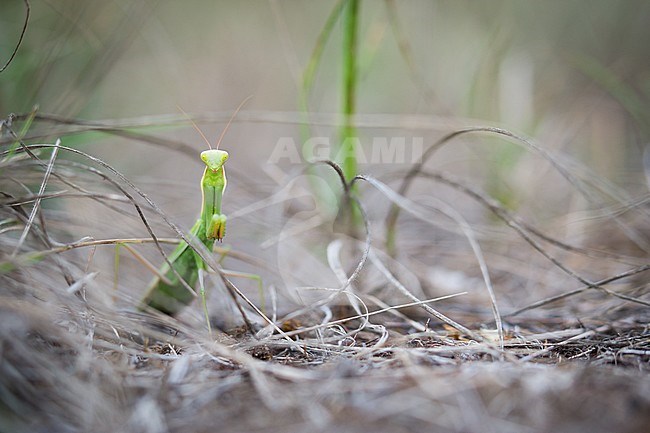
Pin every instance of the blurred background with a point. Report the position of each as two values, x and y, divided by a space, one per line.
573 75
537 68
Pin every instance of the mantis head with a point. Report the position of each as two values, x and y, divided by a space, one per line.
214 158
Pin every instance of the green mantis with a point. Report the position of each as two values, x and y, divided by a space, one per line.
167 293
171 296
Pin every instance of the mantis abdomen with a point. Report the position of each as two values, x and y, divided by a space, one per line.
172 298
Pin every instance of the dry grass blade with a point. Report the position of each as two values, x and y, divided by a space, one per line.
37 202
524 229
581 336
600 283
427 308
415 210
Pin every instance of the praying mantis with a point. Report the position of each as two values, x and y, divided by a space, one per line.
166 292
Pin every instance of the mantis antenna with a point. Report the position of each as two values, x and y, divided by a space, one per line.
195 126
223 133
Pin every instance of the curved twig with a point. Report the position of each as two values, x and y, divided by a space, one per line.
20 40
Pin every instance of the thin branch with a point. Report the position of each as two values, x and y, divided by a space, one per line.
20 40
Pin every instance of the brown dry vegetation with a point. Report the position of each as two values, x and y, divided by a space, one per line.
76 356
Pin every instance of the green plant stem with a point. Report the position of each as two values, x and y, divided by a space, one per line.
322 195
348 131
